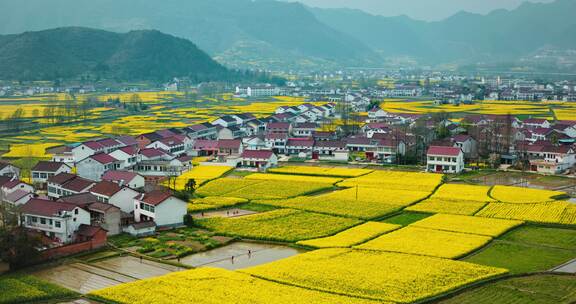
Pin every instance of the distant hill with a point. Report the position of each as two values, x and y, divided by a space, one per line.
499 36
239 33
283 35
74 51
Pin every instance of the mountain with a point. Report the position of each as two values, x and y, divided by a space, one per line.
74 51
272 34
498 36
239 33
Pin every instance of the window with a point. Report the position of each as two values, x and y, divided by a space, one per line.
43 221
34 219
76 211
57 224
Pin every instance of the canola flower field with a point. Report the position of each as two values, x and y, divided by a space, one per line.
358 258
353 236
383 276
548 110
164 109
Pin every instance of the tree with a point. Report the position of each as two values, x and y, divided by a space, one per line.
17 246
190 186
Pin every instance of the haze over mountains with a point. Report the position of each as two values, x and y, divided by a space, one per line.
280 35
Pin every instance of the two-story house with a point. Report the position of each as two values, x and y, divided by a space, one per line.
94 166
58 221
160 207
46 169
66 184
445 159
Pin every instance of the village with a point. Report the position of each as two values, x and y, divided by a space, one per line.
109 186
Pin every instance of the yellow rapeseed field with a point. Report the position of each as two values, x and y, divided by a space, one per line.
362 202
553 212
463 192
467 224
296 178
280 225
440 205
396 180
216 286
215 202
421 241
259 188
321 171
353 236
517 195
201 174
29 150
382 276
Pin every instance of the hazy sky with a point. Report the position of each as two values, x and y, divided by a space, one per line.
419 9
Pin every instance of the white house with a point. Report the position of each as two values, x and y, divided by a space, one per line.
65 184
445 159
468 145
175 145
125 178
304 129
225 121
56 220
114 194
45 169
18 197
161 208
377 114
86 149
94 166
7 169
259 159
127 155
554 160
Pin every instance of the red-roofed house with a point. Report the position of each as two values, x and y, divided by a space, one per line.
445 159
160 207
228 147
114 194
57 220
175 145
93 167
536 123
259 159
125 178
468 145
299 146
553 159
278 127
18 197
65 184
127 155
45 169
7 169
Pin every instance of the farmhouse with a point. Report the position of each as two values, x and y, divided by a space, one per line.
125 178
445 159
58 221
44 170
259 159
114 194
65 184
102 215
93 167
161 208
7 169
127 155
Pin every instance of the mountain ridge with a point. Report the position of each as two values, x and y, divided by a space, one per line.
68 52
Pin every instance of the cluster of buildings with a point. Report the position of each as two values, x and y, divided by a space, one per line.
109 184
